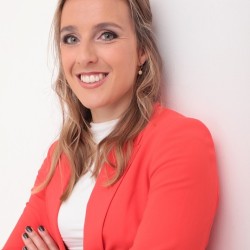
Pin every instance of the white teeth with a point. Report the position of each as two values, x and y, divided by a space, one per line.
92 78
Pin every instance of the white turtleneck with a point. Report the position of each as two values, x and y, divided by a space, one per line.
72 212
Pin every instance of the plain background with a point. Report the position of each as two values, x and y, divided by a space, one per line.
206 49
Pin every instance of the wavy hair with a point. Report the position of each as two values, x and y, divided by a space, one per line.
75 140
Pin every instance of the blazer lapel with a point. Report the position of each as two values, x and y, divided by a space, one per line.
99 203
55 189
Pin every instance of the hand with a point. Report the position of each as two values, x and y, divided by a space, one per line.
38 241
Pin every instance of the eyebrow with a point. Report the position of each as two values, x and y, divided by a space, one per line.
69 28
105 25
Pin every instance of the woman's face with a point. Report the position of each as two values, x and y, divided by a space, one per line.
99 55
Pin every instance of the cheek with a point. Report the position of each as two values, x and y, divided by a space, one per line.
68 59
123 59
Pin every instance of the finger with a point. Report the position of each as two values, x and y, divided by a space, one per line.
34 241
47 238
28 242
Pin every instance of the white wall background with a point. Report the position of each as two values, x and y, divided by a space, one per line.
29 115
206 49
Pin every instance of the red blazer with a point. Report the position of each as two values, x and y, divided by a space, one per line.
166 199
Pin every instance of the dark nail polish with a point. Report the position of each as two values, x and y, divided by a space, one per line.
29 229
25 236
25 248
41 228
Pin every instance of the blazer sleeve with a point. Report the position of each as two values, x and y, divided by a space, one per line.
183 192
34 213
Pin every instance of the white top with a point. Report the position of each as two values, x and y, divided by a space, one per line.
72 212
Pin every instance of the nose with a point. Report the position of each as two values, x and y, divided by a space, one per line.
86 54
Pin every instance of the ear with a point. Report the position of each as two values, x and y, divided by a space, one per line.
142 57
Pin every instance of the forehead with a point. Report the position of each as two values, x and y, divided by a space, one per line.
95 11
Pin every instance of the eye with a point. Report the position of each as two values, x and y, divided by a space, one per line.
70 39
108 36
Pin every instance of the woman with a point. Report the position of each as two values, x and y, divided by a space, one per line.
125 173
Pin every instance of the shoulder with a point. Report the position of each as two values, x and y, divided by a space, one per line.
166 124
52 149
171 136
172 141
46 165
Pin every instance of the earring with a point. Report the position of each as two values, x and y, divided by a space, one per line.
140 72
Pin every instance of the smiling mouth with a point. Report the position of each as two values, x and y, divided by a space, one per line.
92 78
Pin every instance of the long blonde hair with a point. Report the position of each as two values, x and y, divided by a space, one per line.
75 140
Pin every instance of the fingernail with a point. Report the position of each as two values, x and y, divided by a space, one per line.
29 229
41 228
25 236
25 248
